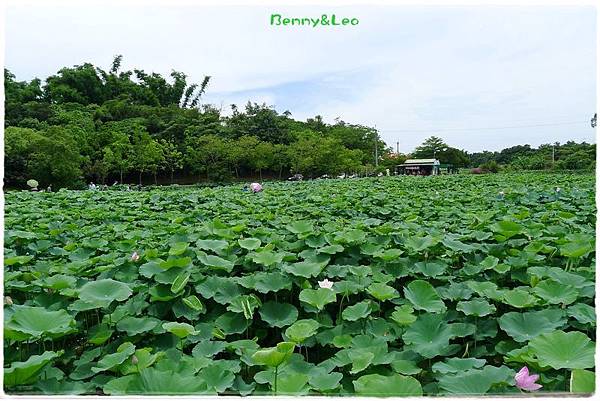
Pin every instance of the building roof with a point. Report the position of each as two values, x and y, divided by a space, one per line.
420 161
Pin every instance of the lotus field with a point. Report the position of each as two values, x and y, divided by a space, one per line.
393 286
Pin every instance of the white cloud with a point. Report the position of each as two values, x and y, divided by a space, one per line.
400 68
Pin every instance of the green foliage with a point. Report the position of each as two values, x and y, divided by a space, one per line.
87 124
452 292
582 381
490 167
20 373
387 386
436 147
560 350
567 156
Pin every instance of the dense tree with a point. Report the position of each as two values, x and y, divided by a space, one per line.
434 147
22 104
568 156
18 145
364 139
147 155
313 156
430 148
262 157
85 123
207 154
281 159
86 84
172 157
80 84
240 152
390 160
578 160
55 158
260 121
51 156
118 155
456 157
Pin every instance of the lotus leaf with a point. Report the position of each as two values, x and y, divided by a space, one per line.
26 372
101 293
582 381
181 330
560 350
395 385
475 307
528 325
274 356
300 330
35 322
423 296
110 361
357 311
249 243
137 325
278 314
382 292
156 292
317 298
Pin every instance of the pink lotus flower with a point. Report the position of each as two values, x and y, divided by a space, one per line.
255 187
325 284
135 257
525 381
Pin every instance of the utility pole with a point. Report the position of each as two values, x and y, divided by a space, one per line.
553 154
398 148
376 158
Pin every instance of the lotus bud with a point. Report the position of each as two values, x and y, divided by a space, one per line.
255 187
135 257
8 300
557 189
134 360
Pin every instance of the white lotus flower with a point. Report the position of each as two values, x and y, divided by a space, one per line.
135 257
326 284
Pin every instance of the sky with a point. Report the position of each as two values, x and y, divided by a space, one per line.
480 77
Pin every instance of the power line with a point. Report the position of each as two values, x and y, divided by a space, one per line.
483 128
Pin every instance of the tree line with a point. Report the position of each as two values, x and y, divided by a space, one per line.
86 124
556 156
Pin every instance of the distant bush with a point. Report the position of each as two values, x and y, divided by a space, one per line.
577 161
490 167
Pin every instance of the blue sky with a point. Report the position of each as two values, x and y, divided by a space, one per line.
461 73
